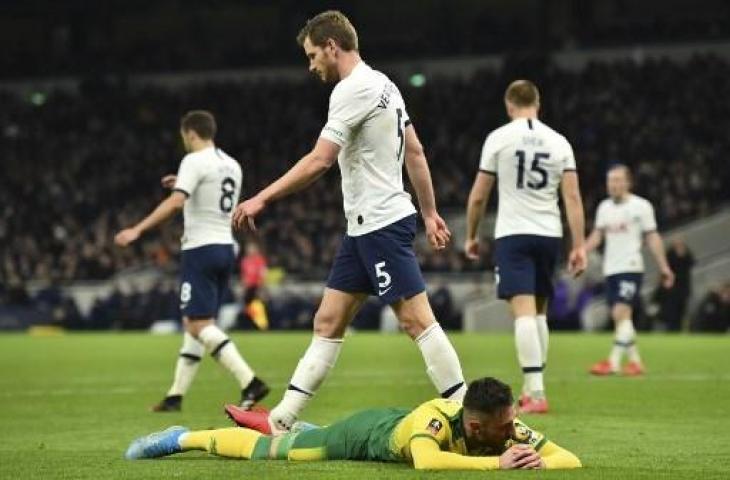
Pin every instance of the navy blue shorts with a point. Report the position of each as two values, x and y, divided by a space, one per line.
205 272
526 265
623 288
380 263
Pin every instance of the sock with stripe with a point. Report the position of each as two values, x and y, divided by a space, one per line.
442 363
529 355
187 365
225 352
311 371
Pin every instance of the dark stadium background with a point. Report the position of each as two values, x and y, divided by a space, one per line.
91 94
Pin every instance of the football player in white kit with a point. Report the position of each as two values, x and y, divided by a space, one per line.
530 161
206 187
625 220
369 133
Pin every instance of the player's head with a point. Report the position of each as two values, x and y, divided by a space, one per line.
489 414
197 126
522 98
324 38
618 181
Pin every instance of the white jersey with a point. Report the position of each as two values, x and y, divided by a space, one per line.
624 225
529 159
212 182
367 118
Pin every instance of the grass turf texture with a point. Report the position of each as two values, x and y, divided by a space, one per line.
70 405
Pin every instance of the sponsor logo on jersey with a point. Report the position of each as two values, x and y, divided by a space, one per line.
434 426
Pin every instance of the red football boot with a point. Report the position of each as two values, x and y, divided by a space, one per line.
602 368
528 404
633 369
254 419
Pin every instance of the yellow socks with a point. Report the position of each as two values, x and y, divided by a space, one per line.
225 442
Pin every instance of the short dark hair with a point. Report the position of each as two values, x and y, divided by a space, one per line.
522 93
487 395
201 122
330 24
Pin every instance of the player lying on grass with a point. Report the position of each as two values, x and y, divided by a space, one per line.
440 434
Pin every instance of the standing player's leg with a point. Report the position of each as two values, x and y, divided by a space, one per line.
623 291
519 281
388 257
416 318
543 332
185 370
334 314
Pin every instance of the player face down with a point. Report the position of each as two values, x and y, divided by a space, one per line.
322 60
490 432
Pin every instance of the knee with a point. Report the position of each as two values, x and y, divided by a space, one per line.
329 324
414 325
194 327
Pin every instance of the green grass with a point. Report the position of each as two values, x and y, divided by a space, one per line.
70 405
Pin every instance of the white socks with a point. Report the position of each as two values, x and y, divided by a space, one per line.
442 363
311 371
624 342
187 365
223 350
529 355
543 334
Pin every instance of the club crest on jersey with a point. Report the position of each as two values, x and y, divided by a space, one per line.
434 426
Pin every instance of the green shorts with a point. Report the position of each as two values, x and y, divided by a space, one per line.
362 436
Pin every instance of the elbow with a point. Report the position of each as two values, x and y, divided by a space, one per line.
423 463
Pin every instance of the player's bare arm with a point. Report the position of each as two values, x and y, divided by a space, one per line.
437 231
166 209
308 169
577 260
594 240
475 207
654 241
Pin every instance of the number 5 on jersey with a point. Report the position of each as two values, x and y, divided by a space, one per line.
384 280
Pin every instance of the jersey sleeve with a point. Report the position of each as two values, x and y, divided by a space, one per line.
568 157
648 221
488 160
188 176
429 423
528 436
348 108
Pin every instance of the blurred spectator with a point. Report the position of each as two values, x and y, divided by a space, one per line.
253 276
673 301
713 314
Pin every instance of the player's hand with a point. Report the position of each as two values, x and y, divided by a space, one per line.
246 212
577 261
471 248
126 236
437 231
168 181
667 278
520 456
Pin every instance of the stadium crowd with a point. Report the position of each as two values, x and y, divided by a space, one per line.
78 166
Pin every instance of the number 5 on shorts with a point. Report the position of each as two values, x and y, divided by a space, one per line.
383 278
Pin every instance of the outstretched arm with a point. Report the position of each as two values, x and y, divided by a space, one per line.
308 169
428 456
477 203
418 172
166 209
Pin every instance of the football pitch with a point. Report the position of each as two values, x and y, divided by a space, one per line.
70 404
